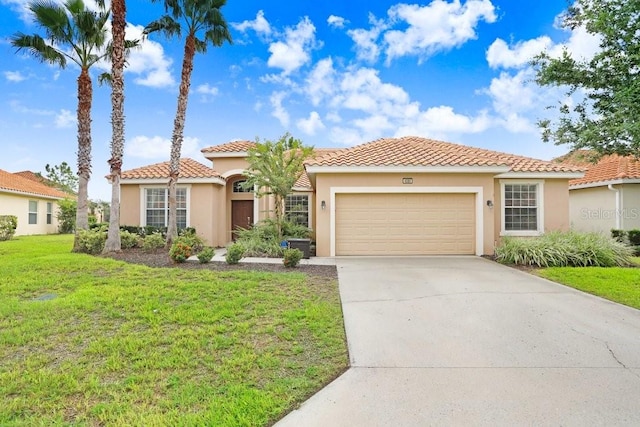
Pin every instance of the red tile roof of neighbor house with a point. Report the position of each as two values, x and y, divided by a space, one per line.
19 184
189 168
417 151
608 168
230 147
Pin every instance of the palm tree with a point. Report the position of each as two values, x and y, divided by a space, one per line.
118 47
77 34
204 25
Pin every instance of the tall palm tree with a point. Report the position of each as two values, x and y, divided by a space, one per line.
118 47
77 34
204 25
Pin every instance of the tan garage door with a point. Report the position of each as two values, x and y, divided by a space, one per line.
405 224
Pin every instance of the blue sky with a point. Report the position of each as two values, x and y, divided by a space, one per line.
334 74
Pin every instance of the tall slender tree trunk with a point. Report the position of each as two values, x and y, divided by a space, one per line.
118 24
85 94
178 135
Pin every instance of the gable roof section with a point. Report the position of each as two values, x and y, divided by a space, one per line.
14 183
190 171
609 169
303 183
230 149
415 152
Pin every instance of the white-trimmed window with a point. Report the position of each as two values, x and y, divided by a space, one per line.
33 212
238 186
296 209
49 213
522 208
157 207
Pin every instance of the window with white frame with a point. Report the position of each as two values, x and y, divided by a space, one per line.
33 211
522 208
296 209
238 186
49 213
157 207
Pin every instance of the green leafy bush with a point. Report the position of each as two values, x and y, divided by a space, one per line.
189 237
235 252
91 241
205 255
8 225
619 235
180 251
153 241
291 257
560 249
129 240
634 237
261 240
295 231
66 216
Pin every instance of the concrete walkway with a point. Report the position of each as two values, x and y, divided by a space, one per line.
465 341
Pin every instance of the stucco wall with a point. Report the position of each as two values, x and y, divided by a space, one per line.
630 206
130 204
556 205
324 183
592 209
224 165
18 205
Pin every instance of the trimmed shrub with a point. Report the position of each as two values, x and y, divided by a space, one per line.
66 216
8 225
205 255
558 249
179 252
634 237
91 241
619 235
291 257
189 237
153 241
235 253
129 240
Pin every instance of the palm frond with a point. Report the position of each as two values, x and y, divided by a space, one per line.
38 48
165 25
105 79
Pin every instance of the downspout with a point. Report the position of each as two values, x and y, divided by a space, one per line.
618 210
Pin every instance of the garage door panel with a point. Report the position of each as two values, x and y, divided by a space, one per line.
405 224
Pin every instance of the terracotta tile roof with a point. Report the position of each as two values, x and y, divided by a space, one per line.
39 178
15 183
189 168
417 151
303 181
230 147
580 158
608 168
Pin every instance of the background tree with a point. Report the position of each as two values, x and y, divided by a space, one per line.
607 119
118 26
274 168
204 25
74 33
63 177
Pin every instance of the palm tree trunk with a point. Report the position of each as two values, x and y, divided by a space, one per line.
85 94
118 23
178 135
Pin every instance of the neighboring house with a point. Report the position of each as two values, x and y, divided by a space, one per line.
607 196
33 202
392 196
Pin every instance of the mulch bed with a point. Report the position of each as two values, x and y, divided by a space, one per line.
161 258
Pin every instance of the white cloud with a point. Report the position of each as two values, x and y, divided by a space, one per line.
320 82
279 112
500 54
311 125
65 119
441 25
438 122
336 21
366 41
148 61
14 76
159 148
293 51
260 25
208 92
17 107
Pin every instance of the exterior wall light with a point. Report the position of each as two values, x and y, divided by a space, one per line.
489 203
323 205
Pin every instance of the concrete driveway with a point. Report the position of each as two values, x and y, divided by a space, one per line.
465 341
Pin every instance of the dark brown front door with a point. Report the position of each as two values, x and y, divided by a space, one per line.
241 215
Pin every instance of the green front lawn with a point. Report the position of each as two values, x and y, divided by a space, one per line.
93 341
617 284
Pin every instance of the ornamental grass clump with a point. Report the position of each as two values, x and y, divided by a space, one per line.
562 249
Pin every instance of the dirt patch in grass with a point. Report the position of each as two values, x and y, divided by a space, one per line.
160 258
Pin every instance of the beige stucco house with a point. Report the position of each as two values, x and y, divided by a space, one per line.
32 202
607 196
392 196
